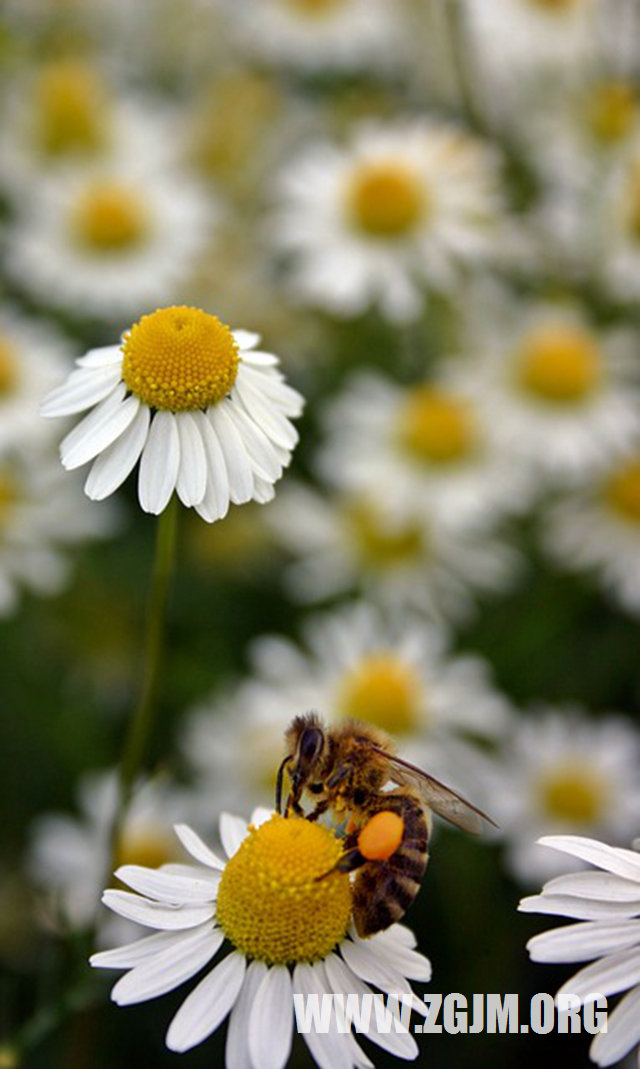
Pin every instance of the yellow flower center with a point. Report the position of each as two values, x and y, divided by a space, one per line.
633 202
8 368
622 491
381 544
70 111
314 8
271 904
9 495
554 5
611 111
560 364
150 847
573 793
386 200
436 427
179 358
383 690
109 217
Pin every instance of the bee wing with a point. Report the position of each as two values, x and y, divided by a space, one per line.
443 800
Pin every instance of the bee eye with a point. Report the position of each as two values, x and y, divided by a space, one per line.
311 744
315 788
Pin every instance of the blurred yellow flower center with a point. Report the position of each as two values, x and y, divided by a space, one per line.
271 904
179 358
150 847
634 202
9 495
436 427
8 367
386 200
573 793
554 5
382 544
110 217
70 109
383 690
237 110
622 491
612 111
314 8
560 364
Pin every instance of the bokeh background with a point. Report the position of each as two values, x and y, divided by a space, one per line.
430 209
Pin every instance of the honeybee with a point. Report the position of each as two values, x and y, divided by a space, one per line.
345 768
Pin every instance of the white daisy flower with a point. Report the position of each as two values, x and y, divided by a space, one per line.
289 932
32 359
598 528
352 542
355 663
397 210
110 241
321 35
205 412
42 515
563 772
605 905
427 446
616 230
561 395
69 855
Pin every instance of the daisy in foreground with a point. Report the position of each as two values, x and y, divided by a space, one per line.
606 906
289 932
205 412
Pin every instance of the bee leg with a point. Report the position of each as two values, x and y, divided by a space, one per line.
350 860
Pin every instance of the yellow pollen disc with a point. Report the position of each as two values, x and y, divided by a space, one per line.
314 8
381 836
271 904
380 544
110 217
8 368
386 200
383 690
612 111
574 794
560 364
70 110
622 491
179 359
436 427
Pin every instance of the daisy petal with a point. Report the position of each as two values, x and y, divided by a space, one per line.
342 979
232 831
614 859
159 463
105 356
579 908
81 390
600 885
156 914
164 886
237 1048
264 459
198 849
262 410
169 968
623 1031
111 468
245 339
132 954
328 1049
583 941
368 965
99 429
216 497
608 976
192 473
271 1020
235 455
207 1005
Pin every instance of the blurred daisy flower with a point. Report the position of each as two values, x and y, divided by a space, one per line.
561 394
428 446
355 663
42 515
563 772
348 543
617 227
205 412
32 359
289 932
69 855
321 35
597 528
605 905
398 209
109 242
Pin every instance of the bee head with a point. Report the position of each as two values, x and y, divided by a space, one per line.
308 751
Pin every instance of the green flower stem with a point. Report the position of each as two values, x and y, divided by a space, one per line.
141 722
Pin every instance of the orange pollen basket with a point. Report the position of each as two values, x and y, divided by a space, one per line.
381 836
